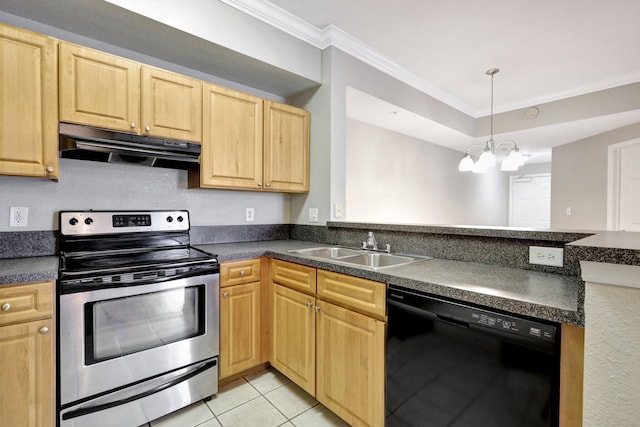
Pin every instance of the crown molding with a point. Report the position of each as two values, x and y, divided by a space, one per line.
334 36
280 19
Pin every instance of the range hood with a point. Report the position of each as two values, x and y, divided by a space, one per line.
89 143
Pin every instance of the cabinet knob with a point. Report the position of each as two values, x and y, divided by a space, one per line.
268 184
6 306
44 330
226 294
259 184
49 169
147 128
133 125
317 308
242 273
309 304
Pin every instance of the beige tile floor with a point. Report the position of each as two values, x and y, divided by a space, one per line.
264 399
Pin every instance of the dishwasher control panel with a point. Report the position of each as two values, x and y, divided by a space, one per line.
435 308
519 326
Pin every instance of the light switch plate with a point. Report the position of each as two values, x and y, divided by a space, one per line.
313 214
546 256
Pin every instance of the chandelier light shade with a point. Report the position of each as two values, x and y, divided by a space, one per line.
487 157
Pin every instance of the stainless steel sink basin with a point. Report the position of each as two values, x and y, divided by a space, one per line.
379 260
359 257
327 252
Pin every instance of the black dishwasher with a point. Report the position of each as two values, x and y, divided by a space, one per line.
452 364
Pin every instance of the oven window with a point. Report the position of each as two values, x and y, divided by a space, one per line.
122 326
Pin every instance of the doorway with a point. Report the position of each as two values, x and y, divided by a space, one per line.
530 201
623 211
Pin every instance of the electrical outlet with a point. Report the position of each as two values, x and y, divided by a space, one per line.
313 214
249 215
18 217
546 256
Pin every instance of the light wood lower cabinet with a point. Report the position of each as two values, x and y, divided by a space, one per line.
333 350
27 355
293 331
242 314
350 371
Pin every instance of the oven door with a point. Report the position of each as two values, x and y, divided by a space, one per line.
113 338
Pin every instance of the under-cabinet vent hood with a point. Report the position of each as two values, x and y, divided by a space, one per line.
88 143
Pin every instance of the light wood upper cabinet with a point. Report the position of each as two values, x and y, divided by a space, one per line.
252 144
171 105
28 103
232 140
107 91
286 148
27 355
99 89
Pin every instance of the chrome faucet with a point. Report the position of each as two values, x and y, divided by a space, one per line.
371 242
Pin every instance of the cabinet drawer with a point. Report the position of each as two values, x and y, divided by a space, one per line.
239 272
294 276
362 295
23 303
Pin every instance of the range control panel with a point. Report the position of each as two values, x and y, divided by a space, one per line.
84 223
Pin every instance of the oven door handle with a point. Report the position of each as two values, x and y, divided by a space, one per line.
101 407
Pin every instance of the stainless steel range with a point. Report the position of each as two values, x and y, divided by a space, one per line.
138 318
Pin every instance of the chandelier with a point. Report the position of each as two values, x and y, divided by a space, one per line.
487 157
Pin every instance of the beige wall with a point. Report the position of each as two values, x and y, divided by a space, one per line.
396 178
579 180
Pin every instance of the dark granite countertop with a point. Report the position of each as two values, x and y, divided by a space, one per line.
541 295
28 270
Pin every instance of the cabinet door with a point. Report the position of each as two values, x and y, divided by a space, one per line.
293 350
240 328
350 365
28 104
99 89
231 139
26 357
171 105
286 148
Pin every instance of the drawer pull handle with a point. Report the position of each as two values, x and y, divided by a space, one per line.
242 272
44 330
6 306
226 294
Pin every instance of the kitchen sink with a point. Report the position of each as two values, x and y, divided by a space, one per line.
327 252
379 260
359 257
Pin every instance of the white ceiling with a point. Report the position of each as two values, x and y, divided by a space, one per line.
547 50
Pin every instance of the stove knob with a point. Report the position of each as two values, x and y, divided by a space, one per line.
73 221
88 221
169 219
180 219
